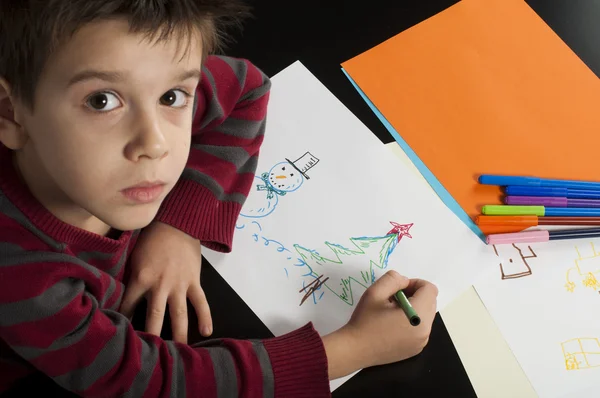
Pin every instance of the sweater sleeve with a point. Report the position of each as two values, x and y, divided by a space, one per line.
58 313
227 133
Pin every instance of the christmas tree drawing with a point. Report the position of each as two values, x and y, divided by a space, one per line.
374 252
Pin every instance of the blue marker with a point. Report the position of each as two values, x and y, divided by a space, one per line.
488 179
517 190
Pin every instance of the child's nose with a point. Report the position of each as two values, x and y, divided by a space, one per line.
149 142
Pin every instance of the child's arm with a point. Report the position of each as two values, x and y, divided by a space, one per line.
227 133
57 313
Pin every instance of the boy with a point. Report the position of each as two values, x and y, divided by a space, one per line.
97 99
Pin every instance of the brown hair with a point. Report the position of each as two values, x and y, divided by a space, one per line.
31 30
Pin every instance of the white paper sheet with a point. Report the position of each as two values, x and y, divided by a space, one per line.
550 318
357 212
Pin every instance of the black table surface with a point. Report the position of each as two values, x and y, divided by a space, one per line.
323 34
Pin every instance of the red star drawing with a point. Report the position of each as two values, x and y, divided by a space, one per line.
400 229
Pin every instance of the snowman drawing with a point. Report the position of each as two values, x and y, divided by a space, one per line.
281 179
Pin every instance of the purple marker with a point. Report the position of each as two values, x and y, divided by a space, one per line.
549 201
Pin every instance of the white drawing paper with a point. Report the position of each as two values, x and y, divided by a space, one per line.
549 312
331 209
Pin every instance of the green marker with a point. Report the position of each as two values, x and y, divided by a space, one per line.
508 210
407 308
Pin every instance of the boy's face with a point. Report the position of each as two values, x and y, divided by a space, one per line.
111 128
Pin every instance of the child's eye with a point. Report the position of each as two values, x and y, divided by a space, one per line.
103 102
175 98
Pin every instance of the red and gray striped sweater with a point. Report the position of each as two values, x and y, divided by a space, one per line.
61 287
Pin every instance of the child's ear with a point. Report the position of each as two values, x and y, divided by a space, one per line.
12 134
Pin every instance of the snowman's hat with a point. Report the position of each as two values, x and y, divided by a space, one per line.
304 163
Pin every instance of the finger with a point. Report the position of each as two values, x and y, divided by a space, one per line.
387 285
179 317
416 284
155 313
133 295
198 300
423 297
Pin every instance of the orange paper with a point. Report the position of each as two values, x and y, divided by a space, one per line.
486 87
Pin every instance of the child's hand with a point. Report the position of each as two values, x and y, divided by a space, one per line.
166 269
378 331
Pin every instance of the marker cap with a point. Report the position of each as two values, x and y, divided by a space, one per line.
536 201
519 190
508 210
489 179
524 221
519 237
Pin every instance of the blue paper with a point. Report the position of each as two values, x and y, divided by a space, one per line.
439 189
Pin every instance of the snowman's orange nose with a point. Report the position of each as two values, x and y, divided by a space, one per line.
280 177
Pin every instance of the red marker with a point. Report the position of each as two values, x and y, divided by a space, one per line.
534 221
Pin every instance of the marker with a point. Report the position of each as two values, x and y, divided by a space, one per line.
550 201
534 221
517 190
542 236
501 229
508 210
408 309
489 179
540 211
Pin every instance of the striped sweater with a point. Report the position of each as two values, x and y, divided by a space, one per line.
61 287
